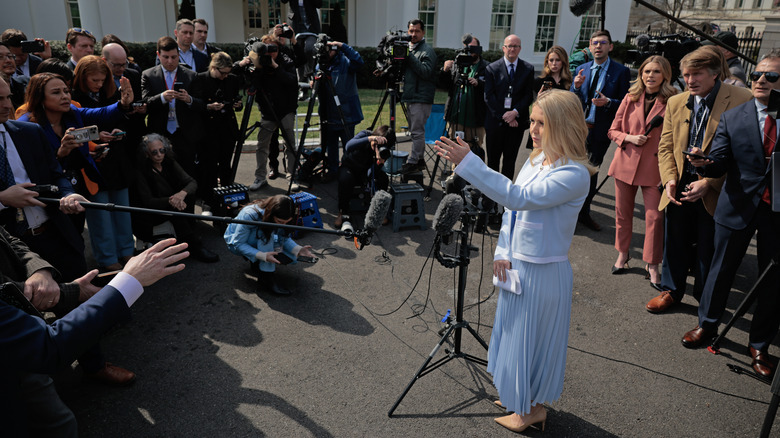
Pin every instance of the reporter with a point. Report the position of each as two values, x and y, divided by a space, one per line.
555 71
162 184
221 96
363 162
265 245
635 164
527 355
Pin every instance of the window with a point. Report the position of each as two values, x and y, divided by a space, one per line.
75 15
261 15
591 22
274 13
546 24
758 4
739 4
255 14
334 12
500 23
427 14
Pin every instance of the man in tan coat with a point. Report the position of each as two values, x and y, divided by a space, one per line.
689 200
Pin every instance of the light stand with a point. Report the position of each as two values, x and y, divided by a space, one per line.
456 327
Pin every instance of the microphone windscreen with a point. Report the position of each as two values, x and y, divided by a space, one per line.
642 40
377 210
466 40
579 7
448 213
654 123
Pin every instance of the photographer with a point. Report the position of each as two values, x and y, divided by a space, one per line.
338 66
419 90
26 63
364 153
274 77
306 19
465 78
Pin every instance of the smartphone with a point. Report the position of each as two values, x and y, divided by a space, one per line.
546 85
701 157
119 134
306 259
138 104
178 86
283 258
88 133
32 46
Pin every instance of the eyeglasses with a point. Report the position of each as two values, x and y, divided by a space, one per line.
511 46
156 152
115 65
771 76
8 56
600 43
224 73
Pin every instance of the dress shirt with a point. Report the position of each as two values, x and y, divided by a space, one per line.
591 116
128 286
35 216
25 68
761 114
187 58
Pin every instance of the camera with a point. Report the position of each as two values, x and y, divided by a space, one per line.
286 31
32 46
672 47
322 48
386 150
264 51
392 51
88 133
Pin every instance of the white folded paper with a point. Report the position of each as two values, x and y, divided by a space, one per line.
512 282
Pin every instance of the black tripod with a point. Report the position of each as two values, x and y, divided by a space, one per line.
245 130
456 327
319 76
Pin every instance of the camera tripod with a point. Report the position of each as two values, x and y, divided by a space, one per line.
319 77
245 130
453 327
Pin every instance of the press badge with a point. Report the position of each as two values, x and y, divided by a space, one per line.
508 100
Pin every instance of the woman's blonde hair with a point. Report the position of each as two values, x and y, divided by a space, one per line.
220 60
565 131
638 86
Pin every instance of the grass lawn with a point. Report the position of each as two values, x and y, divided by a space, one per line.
369 99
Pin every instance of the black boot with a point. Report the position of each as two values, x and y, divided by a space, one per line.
266 282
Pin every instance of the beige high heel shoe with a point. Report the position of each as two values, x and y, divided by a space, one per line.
519 423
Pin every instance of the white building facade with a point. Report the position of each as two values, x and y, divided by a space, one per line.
539 23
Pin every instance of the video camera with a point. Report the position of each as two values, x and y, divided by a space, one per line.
392 51
673 47
322 48
264 51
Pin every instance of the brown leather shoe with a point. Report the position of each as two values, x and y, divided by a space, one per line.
589 222
661 303
113 375
762 362
697 337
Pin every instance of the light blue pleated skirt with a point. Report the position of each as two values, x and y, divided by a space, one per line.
527 354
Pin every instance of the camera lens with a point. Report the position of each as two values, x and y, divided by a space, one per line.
384 153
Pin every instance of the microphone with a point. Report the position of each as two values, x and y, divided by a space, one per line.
654 123
376 213
447 215
642 40
579 7
466 40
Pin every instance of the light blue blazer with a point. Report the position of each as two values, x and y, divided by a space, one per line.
546 202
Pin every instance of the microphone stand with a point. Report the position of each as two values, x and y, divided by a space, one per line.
361 237
456 327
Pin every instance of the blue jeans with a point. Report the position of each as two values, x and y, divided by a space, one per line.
110 232
332 137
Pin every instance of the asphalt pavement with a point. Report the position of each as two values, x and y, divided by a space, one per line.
215 358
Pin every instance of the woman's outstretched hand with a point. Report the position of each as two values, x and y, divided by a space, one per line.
451 151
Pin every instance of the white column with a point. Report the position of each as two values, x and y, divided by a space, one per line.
205 9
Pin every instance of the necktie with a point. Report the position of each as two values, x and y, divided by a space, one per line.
511 72
698 129
6 175
172 124
594 84
770 138
19 71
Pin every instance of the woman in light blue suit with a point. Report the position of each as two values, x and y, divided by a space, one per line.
527 354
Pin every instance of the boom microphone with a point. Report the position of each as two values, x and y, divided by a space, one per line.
376 213
466 40
642 40
447 215
579 7
654 123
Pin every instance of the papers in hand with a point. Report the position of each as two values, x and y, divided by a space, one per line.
512 282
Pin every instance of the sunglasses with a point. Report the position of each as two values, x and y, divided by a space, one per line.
80 30
771 76
158 151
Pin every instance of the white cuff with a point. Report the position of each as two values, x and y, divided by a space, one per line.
128 286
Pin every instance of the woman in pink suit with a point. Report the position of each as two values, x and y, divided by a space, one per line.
635 164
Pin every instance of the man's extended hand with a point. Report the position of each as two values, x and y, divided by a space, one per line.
18 196
157 262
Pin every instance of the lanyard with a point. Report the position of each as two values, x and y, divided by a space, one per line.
175 75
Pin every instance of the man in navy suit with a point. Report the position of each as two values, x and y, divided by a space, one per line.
601 85
508 94
32 349
741 149
26 63
174 110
